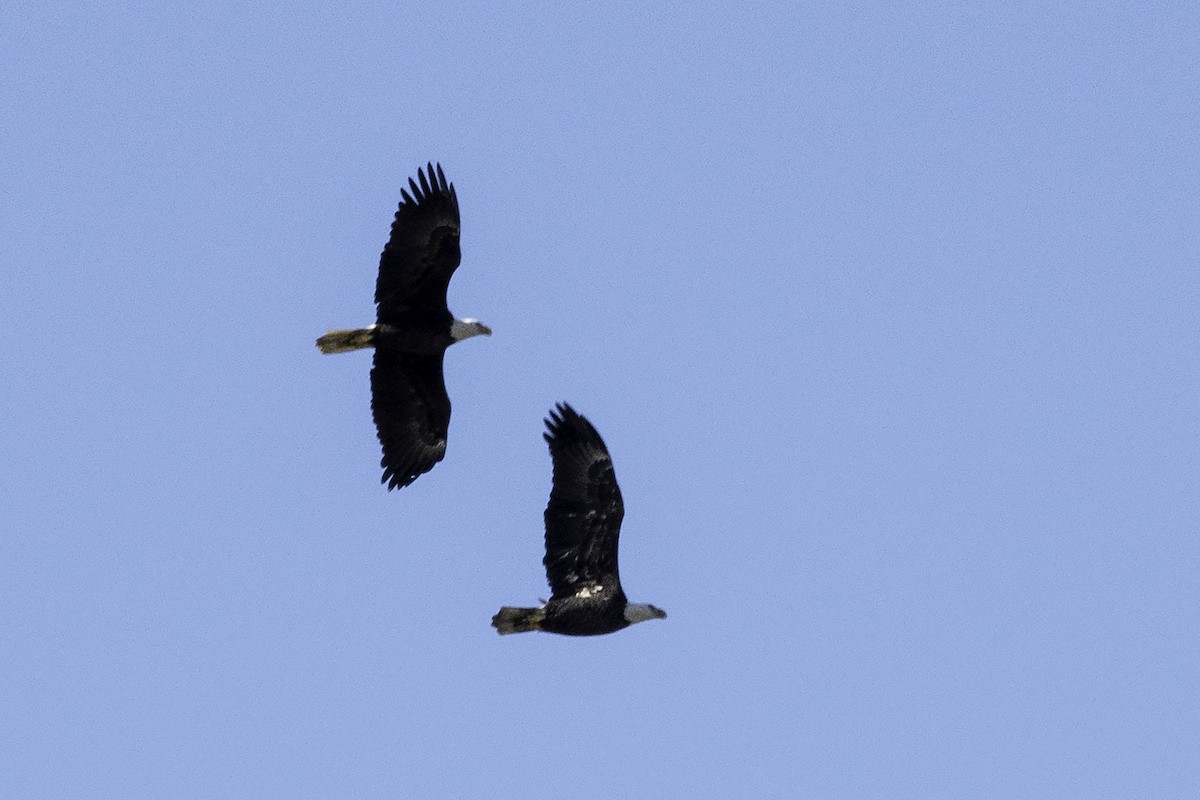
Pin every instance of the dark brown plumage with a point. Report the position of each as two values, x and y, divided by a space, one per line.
583 525
413 328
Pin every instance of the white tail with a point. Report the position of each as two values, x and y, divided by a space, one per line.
346 340
518 620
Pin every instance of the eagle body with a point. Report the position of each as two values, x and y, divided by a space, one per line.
587 616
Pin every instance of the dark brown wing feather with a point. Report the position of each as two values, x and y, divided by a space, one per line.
583 517
412 414
423 251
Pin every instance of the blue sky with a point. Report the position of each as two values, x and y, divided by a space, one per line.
888 316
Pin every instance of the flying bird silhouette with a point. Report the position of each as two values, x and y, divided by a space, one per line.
412 330
583 523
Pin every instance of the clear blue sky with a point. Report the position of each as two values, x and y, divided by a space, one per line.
889 314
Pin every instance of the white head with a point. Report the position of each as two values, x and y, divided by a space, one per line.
466 328
640 612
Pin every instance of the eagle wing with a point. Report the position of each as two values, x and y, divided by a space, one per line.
412 414
583 517
423 251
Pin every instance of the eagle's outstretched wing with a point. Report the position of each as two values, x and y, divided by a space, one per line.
423 251
583 517
412 414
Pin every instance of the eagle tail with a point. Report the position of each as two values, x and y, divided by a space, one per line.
518 620
346 340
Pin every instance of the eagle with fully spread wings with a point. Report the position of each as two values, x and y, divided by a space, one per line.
413 328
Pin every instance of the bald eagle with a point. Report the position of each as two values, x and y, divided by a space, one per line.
412 330
583 521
